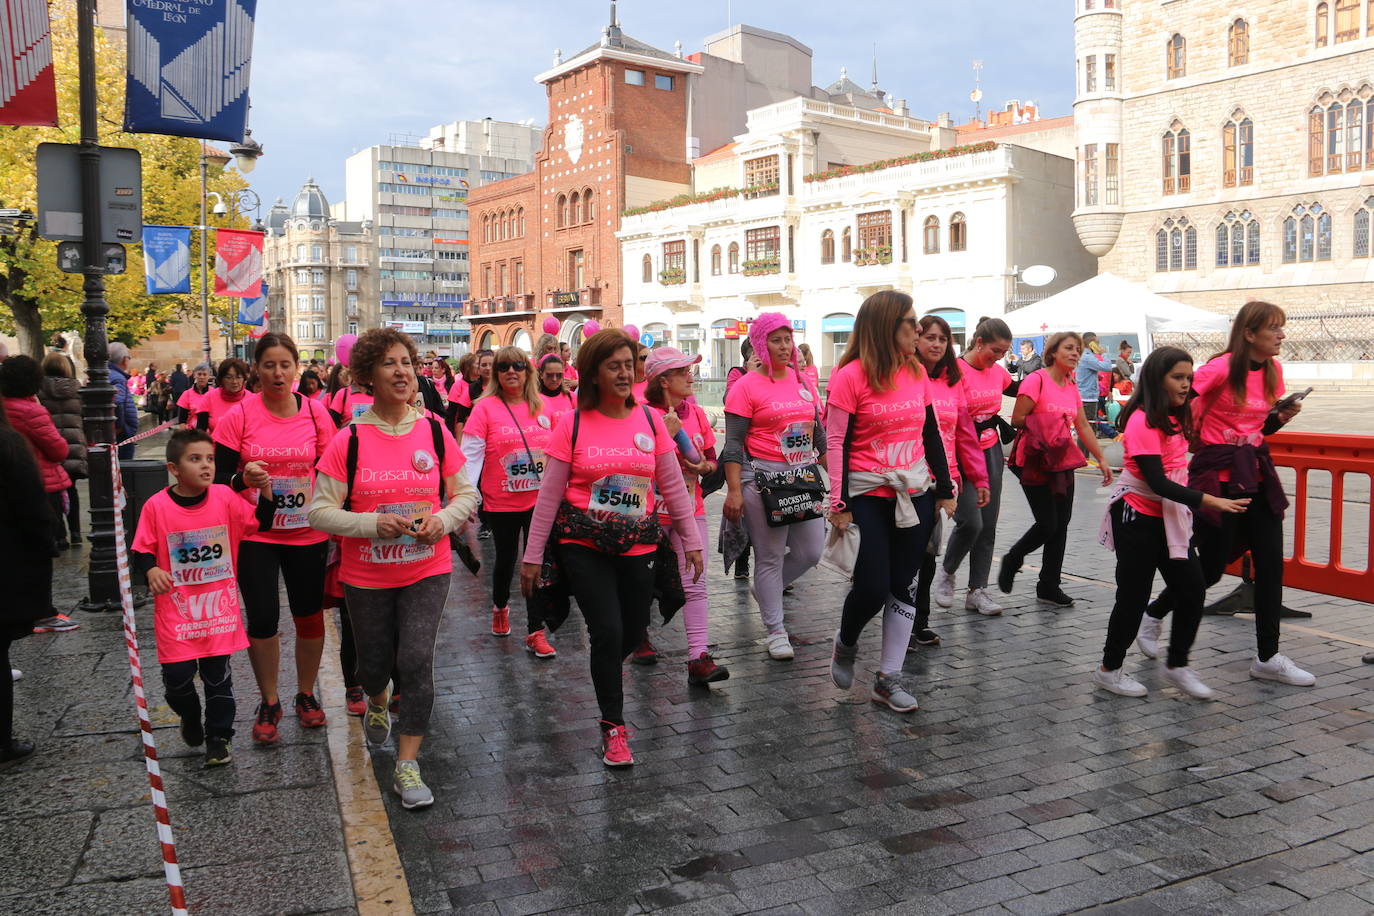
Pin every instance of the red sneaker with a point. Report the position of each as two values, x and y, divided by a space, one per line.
703 670
355 702
615 745
538 643
500 621
394 707
265 728
308 710
646 654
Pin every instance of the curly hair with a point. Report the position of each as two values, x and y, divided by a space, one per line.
369 350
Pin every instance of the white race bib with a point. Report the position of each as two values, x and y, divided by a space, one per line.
291 499
522 471
625 495
200 556
795 443
404 549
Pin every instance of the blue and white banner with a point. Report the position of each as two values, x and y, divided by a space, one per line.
167 258
188 67
254 311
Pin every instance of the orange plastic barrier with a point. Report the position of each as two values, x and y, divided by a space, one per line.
1339 455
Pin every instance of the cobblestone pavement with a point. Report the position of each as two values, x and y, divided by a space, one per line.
1015 788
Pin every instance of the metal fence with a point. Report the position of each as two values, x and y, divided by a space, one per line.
1310 336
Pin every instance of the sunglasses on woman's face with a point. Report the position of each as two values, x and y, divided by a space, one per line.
512 367
554 376
910 320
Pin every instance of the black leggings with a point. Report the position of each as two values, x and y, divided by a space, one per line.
888 561
348 654
179 681
74 513
1052 515
1141 548
6 694
617 615
1260 531
509 530
302 568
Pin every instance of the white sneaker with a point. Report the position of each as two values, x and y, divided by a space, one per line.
1147 640
16 674
780 647
1118 682
943 589
1185 679
1281 668
979 600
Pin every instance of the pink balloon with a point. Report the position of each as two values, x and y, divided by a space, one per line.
551 325
591 327
344 346
633 332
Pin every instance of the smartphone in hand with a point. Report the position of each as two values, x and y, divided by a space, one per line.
1290 400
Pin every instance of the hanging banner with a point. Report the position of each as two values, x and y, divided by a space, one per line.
167 259
254 311
238 263
188 67
260 330
28 93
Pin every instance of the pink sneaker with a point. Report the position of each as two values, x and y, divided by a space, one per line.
500 621
615 745
538 643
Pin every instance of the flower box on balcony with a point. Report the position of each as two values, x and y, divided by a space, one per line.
761 266
766 189
672 277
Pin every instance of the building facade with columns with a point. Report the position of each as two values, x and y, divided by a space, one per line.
1225 152
319 273
818 205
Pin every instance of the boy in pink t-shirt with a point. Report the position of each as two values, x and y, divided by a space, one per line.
187 544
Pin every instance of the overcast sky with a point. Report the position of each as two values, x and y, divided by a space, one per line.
331 77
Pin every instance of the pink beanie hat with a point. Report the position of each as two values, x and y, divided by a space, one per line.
766 324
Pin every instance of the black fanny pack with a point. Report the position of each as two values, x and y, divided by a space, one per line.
791 496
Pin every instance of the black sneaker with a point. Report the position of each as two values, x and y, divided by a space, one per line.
14 751
1006 575
217 751
923 637
742 569
1053 595
192 732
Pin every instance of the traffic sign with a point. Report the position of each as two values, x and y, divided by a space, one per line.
59 193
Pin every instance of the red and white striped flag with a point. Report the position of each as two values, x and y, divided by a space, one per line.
28 92
238 263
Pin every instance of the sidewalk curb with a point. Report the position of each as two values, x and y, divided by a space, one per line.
379 881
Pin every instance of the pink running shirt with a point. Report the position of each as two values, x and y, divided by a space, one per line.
216 405
558 405
289 447
612 471
510 476
1140 438
781 414
888 425
350 404
399 475
1216 415
1061 400
191 400
697 426
199 546
949 404
983 393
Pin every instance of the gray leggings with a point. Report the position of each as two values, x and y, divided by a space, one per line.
781 555
394 630
975 530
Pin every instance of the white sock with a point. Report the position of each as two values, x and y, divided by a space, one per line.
898 619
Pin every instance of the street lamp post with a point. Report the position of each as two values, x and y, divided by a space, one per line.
245 155
240 203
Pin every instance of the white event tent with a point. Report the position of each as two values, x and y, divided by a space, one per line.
1111 306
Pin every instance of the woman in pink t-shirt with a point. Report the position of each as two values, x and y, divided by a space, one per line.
1052 392
962 452
504 441
606 461
891 477
772 420
565 353
985 381
808 366
229 392
382 488
189 403
1238 403
669 372
349 403
276 437
552 372
1148 523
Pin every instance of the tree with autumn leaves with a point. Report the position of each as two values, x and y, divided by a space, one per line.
37 297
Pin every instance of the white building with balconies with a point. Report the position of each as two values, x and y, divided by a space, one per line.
818 205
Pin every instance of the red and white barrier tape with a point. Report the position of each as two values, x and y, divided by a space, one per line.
150 432
176 891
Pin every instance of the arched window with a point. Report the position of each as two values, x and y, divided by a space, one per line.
828 246
520 214
1176 57
505 225
958 233
1238 240
1362 228
1347 20
715 260
588 210
1323 24
1323 236
846 245
1238 43
1307 235
932 235
734 257
1238 151
1354 135
1176 245
646 269
1161 250
486 227
1178 160
562 211
576 206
